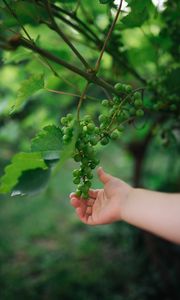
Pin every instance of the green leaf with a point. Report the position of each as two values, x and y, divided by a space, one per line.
31 182
27 89
139 14
20 162
48 142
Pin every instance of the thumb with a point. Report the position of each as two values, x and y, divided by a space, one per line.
104 177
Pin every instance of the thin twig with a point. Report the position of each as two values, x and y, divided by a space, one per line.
71 94
108 37
81 100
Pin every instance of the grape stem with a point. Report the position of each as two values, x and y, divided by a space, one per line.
81 100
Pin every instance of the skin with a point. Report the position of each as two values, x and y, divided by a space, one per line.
156 212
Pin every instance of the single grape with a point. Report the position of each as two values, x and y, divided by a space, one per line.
139 113
138 102
105 103
104 141
114 135
78 193
77 157
94 140
63 121
76 180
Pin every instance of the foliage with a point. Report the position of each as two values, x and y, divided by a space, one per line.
64 57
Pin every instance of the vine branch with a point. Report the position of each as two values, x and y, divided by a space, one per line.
108 37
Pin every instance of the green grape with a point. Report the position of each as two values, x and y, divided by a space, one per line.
63 121
85 195
76 180
85 129
139 113
66 138
138 102
69 117
89 175
76 173
104 141
78 193
119 87
102 118
137 95
90 127
128 88
116 99
94 140
105 103
84 161
77 157
114 135
92 165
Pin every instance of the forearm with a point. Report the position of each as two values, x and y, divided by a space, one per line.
156 212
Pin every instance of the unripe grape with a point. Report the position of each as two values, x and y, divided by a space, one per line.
104 141
138 102
76 180
105 103
94 140
66 138
139 113
116 99
96 161
114 135
84 161
128 88
90 127
119 87
76 173
85 195
63 121
77 157
102 118
137 95
85 129
69 117
89 175
78 193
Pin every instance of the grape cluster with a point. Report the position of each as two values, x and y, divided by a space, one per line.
108 126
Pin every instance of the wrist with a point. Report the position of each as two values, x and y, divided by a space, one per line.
130 198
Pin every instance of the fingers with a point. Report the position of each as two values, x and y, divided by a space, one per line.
104 177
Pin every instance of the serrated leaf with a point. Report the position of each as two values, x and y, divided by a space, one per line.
27 89
31 182
48 142
20 162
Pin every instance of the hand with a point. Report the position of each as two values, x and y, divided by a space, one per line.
104 206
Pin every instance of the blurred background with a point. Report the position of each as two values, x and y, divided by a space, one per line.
45 251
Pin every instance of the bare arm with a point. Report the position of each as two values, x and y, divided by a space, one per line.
156 212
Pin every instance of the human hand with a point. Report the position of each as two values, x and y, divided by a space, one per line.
104 206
